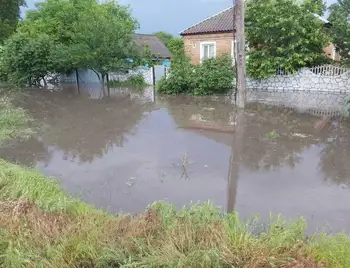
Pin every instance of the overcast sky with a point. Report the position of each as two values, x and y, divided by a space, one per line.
171 15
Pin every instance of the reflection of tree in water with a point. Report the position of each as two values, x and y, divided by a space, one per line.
27 152
335 156
83 128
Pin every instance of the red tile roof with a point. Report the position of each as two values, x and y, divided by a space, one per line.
221 22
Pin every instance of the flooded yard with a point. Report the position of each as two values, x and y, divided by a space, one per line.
131 148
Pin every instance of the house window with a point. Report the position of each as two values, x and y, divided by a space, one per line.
208 50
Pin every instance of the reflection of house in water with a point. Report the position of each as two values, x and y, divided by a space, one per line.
255 149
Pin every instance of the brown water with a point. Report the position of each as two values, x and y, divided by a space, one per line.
126 151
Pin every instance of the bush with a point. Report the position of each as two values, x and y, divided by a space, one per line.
135 80
214 76
211 77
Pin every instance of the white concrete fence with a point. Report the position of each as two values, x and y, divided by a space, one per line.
326 78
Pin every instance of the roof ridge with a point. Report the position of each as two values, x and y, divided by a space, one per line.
207 19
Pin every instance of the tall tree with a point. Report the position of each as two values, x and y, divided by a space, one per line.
81 34
285 34
9 16
315 6
164 36
340 28
174 44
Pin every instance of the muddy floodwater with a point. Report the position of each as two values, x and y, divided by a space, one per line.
128 149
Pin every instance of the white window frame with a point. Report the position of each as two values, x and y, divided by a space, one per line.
202 44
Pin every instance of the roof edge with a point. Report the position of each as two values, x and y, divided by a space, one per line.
209 32
181 33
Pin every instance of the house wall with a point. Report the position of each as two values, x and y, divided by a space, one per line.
192 44
224 45
331 53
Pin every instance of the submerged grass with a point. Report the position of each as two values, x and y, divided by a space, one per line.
41 226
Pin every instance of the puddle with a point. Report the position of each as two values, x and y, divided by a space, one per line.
125 151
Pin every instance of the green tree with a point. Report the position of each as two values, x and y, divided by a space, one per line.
165 37
9 16
282 34
315 6
174 44
340 28
27 60
82 34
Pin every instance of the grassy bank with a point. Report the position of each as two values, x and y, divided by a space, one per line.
14 122
41 226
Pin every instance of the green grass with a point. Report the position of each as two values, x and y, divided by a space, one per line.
14 122
41 226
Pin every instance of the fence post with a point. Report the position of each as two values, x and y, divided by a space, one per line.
153 75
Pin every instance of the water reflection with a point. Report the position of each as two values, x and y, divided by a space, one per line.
126 151
335 156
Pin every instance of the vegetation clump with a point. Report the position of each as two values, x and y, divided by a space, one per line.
213 76
136 80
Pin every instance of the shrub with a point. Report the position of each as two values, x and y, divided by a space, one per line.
180 79
135 80
211 77
214 76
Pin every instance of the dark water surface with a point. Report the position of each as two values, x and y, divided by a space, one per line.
132 148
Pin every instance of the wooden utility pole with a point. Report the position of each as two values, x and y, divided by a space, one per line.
240 61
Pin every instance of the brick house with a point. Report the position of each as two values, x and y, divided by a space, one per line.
214 36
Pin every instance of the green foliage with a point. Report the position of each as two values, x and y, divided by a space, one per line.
283 34
165 37
9 16
211 77
214 76
60 36
136 80
315 6
180 79
272 134
14 122
25 183
340 29
26 60
3 75
174 44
